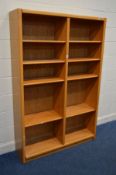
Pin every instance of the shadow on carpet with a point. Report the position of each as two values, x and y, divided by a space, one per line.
92 158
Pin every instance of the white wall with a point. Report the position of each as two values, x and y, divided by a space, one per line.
101 8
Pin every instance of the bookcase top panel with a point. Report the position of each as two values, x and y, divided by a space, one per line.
27 11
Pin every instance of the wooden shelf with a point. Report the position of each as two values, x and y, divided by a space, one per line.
57 41
43 41
43 62
84 41
71 60
78 136
42 147
80 77
78 109
42 81
40 118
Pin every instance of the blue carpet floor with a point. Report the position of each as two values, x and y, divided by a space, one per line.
92 158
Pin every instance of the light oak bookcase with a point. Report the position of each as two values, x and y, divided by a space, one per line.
56 65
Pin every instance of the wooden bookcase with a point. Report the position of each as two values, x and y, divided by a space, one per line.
56 65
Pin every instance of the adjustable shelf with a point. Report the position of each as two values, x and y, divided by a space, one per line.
42 81
41 117
79 136
81 77
84 41
78 109
43 41
71 60
58 72
56 61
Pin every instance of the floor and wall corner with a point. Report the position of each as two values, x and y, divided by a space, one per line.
107 102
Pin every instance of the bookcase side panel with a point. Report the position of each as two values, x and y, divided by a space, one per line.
15 18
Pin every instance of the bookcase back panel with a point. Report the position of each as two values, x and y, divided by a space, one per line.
76 92
43 51
82 68
79 122
44 27
85 30
41 132
42 71
82 91
84 50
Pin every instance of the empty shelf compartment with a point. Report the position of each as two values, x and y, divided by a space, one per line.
80 128
83 68
43 51
88 30
84 50
41 148
42 138
81 96
44 98
43 27
43 72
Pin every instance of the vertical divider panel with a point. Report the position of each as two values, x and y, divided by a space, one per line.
66 73
60 99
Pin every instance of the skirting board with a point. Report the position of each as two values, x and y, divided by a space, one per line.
106 118
7 147
10 146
